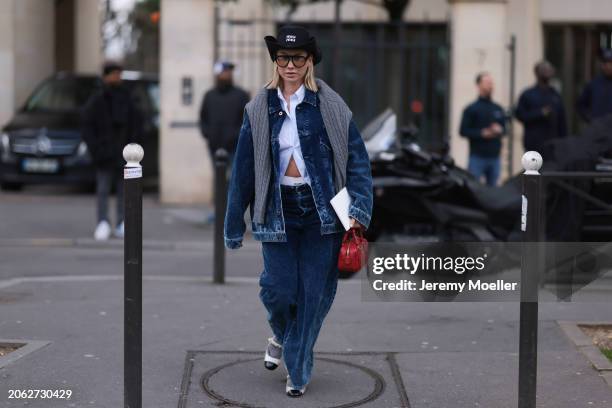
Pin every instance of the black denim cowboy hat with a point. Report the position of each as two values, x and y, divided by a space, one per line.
293 37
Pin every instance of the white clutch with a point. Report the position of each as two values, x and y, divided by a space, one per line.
341 203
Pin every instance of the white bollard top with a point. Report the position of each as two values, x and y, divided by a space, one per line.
133 154
532 162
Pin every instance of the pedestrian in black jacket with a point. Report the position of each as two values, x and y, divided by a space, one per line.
540 109
221 111
110 120
221 114
484 123
596 98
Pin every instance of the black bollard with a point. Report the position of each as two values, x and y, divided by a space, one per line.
531 267
220 203
132 323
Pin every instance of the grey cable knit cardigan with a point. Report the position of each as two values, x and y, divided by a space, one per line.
336 119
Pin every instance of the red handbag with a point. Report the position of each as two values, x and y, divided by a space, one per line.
354 251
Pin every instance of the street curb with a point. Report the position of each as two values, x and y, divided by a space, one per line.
90 243
6 283
585 344
29 346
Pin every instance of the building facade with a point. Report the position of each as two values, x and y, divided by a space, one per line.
423 66
40 37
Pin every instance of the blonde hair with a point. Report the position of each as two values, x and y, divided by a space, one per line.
309 78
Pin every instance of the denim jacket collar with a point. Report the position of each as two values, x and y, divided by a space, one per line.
310 97
274 104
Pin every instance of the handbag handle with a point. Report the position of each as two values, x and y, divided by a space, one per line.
357 232
352 233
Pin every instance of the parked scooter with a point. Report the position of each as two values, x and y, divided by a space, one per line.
423 196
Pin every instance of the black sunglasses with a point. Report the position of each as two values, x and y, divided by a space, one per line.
298 60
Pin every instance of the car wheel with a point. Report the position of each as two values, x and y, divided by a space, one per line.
87 188
7 186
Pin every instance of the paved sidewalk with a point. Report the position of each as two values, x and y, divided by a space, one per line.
203 343
39 215
203 346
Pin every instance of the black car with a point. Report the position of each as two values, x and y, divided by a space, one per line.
42 142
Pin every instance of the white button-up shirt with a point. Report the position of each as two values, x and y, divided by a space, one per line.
289 139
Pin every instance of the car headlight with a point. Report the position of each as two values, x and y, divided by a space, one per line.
5 141
5 146
82 149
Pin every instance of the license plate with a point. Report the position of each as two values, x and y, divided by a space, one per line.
40 165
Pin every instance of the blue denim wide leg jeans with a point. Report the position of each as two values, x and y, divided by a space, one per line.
299 280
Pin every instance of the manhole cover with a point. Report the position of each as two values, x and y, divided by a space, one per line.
339 380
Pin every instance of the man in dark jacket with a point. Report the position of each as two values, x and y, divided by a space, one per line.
110 121
540 109
221 111
596 98
483 123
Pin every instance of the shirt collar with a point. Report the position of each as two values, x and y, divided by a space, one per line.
298 96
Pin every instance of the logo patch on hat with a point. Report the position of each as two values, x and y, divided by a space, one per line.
290 38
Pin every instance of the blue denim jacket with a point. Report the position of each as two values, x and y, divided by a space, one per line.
318 157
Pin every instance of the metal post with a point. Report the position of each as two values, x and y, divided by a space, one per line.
530 269
132 323
336 46
216 22
510 121
448 70
220 203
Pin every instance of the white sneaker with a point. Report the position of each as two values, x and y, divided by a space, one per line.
119 231
103 231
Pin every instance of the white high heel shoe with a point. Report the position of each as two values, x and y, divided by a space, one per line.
274 353
293 391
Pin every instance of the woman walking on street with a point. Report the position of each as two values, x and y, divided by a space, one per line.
298 146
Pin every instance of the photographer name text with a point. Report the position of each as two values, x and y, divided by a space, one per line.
424 285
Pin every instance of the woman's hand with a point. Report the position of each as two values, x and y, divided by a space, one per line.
354 223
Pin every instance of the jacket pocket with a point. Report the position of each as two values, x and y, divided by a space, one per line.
326 154
325 147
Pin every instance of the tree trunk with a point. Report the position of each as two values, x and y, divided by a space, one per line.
395 8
